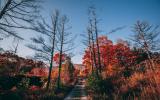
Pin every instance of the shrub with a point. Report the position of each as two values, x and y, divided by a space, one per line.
99 85
24 84
7 82
11 96
36 81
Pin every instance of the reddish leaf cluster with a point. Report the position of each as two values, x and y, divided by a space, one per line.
56 57
110 53
34 88
41 72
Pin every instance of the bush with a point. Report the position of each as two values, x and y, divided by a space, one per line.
24 84
36 81
7 82
11 96
20 81
99 85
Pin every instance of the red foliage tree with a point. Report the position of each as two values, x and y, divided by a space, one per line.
123 54
111 54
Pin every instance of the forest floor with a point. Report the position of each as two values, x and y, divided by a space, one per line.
78 92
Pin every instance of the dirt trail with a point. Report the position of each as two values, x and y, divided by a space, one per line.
78 93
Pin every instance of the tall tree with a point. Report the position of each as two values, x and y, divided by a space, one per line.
65 43
90 48
15 12
93 22
92 45
88 41
111 54
146 37
46 44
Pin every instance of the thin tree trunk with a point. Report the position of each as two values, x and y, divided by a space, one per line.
152 65
97 43
60 57
94 54
59 71
16 48
90 49
52 51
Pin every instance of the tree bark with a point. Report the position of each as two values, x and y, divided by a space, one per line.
60 57
97 43
52 51
90 49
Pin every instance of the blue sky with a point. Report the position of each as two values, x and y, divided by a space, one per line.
112 14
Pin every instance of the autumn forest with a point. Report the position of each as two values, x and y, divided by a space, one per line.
108 68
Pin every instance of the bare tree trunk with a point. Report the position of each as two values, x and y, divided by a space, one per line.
152 67
90 49
16 48
59 70
50 68
97 43
61 51
52 50
94 53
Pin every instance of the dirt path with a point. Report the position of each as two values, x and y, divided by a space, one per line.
78 93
